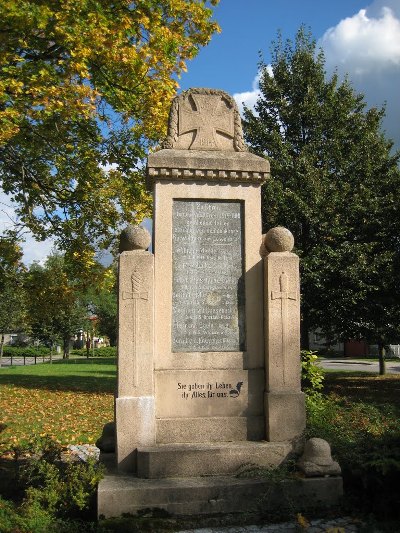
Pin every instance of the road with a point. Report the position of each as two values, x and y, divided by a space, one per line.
359 365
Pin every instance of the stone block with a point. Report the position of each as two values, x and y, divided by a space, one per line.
120 494
135 422
285 415
189 460
135 324
205 429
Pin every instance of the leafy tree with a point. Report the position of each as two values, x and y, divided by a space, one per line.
54 307
85 87
103 302
12 296
334 185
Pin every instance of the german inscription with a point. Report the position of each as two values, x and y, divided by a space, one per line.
207 287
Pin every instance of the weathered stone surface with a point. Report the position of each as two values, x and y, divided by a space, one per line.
204 119
119 494
285 415
193 393
210 429
284 402
317 460
194 165
135 404
282 321
207 285
187 460
279 239
134 238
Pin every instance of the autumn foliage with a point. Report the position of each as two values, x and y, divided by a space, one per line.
84 88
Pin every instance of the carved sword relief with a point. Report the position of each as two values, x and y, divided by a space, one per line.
284 295
135 296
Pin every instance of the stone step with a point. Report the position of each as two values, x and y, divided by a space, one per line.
119 494
190 460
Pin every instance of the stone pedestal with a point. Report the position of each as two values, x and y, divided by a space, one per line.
284 403
135 403
208 269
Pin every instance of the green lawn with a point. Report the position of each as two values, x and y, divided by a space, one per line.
68 400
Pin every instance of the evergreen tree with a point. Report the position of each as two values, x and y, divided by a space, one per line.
334 184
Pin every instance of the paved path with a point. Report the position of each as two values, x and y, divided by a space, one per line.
338 525
359 365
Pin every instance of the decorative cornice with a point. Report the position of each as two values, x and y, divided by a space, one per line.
207 174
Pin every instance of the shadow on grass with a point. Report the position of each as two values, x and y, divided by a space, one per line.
64 376
359 386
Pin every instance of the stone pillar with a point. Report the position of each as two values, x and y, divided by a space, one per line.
134 405
284 402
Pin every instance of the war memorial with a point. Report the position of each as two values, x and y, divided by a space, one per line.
209 335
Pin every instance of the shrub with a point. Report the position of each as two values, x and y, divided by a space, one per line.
365 439
29 351
105 351
54 487
312 375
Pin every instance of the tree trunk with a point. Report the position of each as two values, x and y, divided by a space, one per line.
382 362
304 333
51 352
1 349
87 345
66 342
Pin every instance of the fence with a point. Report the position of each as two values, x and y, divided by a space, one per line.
19 360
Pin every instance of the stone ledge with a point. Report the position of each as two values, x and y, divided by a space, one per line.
118 494
187 460
236 167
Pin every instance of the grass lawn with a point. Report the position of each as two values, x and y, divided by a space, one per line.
70 401
369 388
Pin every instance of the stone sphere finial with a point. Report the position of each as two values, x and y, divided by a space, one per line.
279 239
134 238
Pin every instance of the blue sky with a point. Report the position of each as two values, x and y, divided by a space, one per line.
229 62
360 38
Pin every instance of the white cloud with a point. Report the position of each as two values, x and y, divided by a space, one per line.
364 43
248 98
366 46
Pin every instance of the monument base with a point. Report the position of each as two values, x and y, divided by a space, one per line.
193 460
287 406
119 494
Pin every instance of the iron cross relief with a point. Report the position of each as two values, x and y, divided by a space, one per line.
211 115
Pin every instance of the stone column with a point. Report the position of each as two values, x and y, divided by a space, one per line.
283 401
134 405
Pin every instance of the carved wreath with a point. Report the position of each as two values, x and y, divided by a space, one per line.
172 137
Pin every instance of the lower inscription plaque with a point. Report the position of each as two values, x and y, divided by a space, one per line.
207 286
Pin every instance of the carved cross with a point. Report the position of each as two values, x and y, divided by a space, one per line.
211 115
135 295
284 295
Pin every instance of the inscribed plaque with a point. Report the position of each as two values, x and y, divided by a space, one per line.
207 286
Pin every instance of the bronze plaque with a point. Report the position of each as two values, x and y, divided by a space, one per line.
208 283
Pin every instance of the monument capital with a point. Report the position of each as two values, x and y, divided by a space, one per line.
204 119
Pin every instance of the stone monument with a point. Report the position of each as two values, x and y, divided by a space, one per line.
209 325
